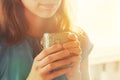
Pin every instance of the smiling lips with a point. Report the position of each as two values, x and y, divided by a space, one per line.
47 6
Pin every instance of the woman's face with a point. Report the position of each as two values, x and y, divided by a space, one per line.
42 8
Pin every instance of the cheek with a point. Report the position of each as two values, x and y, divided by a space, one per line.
59 4
29 4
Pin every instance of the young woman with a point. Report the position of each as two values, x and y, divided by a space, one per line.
22 25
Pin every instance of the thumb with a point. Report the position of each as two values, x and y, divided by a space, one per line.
42 41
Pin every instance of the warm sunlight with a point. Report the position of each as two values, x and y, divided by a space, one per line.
36 40
101 20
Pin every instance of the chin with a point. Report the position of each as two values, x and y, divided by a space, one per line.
46 15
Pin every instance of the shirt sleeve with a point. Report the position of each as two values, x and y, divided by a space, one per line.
85 43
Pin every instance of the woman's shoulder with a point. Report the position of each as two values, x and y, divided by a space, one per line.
13 60
85 41
14 49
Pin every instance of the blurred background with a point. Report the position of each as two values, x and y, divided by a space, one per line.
101 20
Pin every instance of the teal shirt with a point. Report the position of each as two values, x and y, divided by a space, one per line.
16 60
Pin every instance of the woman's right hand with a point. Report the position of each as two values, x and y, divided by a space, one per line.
48 60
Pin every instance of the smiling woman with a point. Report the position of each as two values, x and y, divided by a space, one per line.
22 26
42 8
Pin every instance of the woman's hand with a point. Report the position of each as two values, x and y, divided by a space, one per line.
50 59
74 48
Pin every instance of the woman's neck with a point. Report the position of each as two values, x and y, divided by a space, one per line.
37 25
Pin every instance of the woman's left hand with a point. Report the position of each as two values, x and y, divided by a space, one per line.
74 48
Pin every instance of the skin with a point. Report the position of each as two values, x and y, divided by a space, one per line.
42 8
37 15
47 61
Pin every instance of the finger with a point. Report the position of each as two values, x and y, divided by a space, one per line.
77 63
75 51
72 36
54 57
42 41
59 73
48 51
71 44
59 64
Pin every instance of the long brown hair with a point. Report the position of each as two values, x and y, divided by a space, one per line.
13 25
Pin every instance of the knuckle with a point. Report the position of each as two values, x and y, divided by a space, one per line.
79 57
56 74
77 43
49 58
45 51
57 46
35 65
75 58
67 61
79 49
50 66
66 52
35 59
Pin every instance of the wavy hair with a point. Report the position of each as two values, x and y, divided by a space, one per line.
13 25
